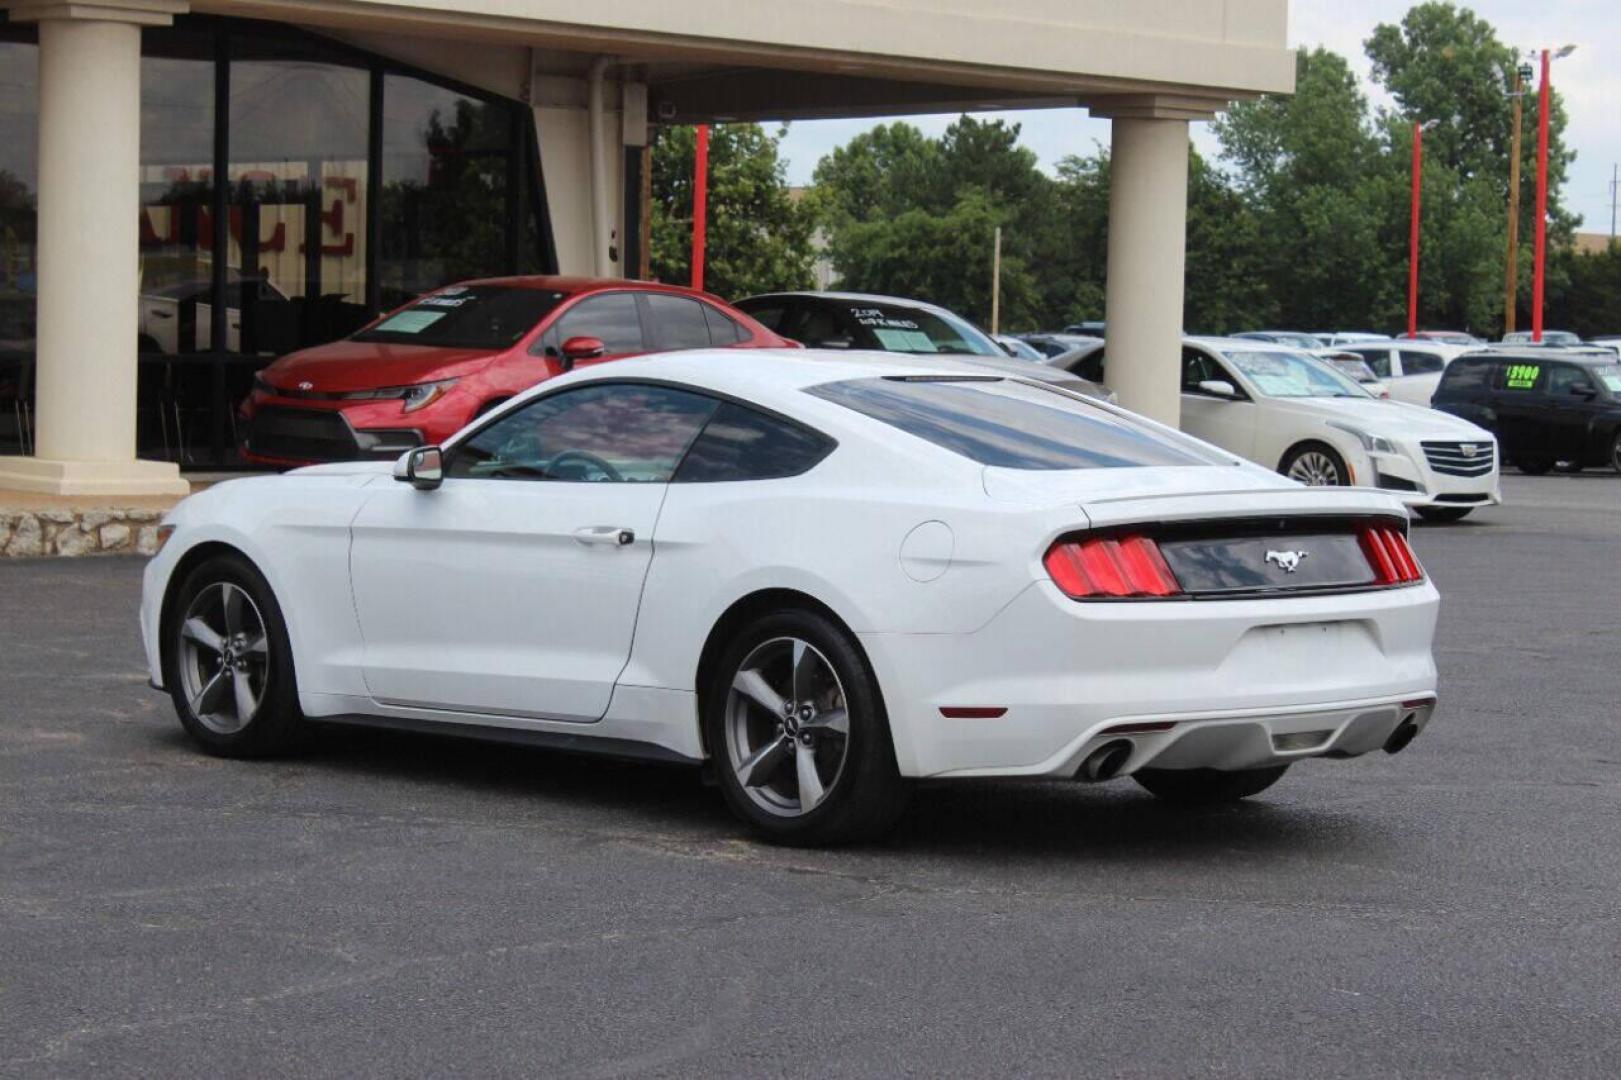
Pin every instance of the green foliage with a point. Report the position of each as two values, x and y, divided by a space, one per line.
1589 301
758 239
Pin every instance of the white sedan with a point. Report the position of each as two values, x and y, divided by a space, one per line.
1288 410
821 576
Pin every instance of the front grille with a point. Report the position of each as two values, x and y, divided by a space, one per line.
301 435
1461 458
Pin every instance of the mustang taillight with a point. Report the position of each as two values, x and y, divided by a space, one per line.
1110 568
1390 556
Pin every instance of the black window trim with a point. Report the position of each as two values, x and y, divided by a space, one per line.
496 415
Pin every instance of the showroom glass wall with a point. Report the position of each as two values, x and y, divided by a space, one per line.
351 184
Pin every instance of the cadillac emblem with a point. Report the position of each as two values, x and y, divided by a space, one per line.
1468 449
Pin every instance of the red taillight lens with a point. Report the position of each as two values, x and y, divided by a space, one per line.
1110 568
1390 556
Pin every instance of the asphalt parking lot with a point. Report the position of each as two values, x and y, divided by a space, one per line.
397 905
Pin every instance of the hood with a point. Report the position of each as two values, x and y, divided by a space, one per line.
346 468
343 366
1396 419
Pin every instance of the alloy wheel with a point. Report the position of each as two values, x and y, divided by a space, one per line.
787 726
224 657
1315 469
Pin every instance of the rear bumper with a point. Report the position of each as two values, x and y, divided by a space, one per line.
1064 672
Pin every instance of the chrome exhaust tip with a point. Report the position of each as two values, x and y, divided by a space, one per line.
1105 762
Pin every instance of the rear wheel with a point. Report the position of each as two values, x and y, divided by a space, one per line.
1443 513
1533 464
1202 787
796 726
1316 465
1615 452
227 662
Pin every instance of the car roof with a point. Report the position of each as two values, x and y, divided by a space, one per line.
573 285
776 370
1537 356
850 298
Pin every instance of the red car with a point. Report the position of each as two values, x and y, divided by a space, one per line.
420 373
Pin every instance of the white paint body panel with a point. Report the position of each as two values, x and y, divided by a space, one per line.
470 604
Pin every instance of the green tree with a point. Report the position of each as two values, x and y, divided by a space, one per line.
758 238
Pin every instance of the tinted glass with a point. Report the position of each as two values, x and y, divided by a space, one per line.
1420 363
678 323
467 317
1007 423
1521 376
768 315
893 328
1378 360
617 432
1465 376
19 257
741 444
1197 368
722 329
1563 378
610 317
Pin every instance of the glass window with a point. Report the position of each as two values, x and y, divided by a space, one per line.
893 328
742 444
611 318
1610 376
447 163
768 316
19 253
1521 376
1466 376
723 330
1008 423
1420 363
467 317
1199 367
298 143
677 322
1378 359
1290 375
612 432
1565 379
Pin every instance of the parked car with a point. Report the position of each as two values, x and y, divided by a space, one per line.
1443 337
1559 338
1611 343
164 309
1292 338
419 374
1356 369
1411 369
1545 407
1089 327
1018 348
1285 409
824 576
890 324
1051 345
1333 339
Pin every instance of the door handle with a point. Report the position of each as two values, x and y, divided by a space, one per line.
616 535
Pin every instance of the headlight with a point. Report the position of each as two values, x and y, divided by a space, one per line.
424 394
1373 444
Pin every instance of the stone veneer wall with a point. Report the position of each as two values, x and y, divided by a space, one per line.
78 532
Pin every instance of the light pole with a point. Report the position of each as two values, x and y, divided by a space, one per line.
1511 275
1541 253
1412 244
700 204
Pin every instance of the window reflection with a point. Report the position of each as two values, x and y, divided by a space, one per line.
19 258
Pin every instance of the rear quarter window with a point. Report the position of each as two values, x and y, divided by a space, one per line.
740 443
1466 377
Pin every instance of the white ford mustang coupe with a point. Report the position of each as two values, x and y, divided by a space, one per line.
820 576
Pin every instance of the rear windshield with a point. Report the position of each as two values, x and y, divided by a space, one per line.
467 317
913 330
1010 423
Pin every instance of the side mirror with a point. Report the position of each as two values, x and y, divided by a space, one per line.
1219 388
422 467
580 348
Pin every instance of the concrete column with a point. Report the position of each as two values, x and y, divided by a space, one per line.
89 203
1148 213
582 196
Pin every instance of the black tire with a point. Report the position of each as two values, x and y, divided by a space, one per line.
277 723
1615 452
1204 787
1323 457
1443 513
1532 465
867 795
1569 466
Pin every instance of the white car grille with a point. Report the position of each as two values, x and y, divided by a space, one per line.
1461 458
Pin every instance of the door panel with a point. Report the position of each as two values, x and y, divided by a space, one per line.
1227 422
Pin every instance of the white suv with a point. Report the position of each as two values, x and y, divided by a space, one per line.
1411 369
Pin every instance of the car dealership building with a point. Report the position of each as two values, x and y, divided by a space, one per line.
314 162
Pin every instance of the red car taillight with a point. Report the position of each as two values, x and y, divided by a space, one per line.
1110 568
1390 556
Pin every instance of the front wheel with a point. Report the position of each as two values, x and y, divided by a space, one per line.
227 662
1443 513
797 730
1204 787
1615 452
1533 464
1316 465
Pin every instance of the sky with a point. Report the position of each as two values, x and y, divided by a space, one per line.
1589 79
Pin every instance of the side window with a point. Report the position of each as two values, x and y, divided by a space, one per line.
613 432
1378 360
1466 377
1420 363
611 318
677 322
723 330
1563 379
769 317
1520 376
1091 366
1197 368
741 444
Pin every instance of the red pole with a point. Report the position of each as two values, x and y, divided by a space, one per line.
700 205
1412 242
1542 203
